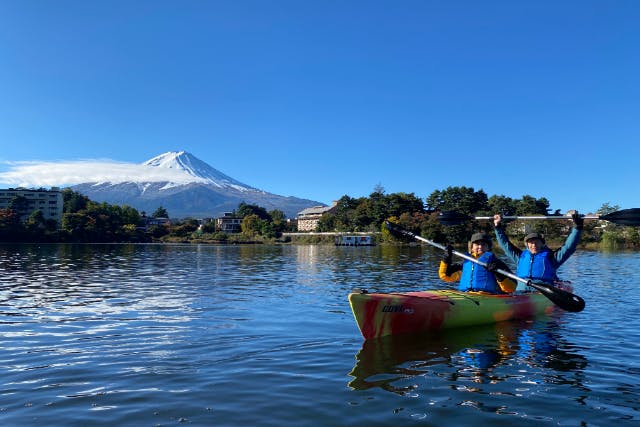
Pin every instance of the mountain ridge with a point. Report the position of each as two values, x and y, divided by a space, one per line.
192 188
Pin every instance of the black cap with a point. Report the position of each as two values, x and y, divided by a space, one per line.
481 236
534 235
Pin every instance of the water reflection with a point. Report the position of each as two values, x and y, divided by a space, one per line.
482 355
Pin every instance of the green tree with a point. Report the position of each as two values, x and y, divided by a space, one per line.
267 229
611 235
158 231
251 225
36 223
185 228
413 222
461 199
11 229
529 205
130 230
363 215
278 220
375 209
73 225
128 215
501 204
73 201
101 222
432 229
160 213
326 223
606 208
399 203
245 209
209 227
345 213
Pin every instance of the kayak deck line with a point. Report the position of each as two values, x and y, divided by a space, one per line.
458 296
448 300
454 295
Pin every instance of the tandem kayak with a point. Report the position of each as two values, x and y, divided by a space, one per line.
382 314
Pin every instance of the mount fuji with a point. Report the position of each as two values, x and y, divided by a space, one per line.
186 187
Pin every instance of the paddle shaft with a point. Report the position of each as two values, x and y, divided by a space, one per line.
538 217
629 217
534 217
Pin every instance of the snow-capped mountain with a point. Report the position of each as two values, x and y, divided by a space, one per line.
201 171
186 187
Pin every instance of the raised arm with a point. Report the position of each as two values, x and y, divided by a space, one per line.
510 250
570 245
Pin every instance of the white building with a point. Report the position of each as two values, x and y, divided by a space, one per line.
27 201
361 240
308 218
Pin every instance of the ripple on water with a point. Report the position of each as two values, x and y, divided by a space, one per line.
223 335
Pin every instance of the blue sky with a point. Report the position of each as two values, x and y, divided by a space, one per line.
318 99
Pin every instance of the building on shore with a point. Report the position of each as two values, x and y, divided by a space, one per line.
308 218
26 201
229 223
350 240
151 221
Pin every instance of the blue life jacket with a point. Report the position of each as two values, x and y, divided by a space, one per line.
537 267
477 278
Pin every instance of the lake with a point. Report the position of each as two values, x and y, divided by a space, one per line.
240 335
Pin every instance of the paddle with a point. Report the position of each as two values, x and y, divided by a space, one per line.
629 217
563 299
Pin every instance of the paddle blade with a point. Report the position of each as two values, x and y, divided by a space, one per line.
563 299
452 218
629 217
397 230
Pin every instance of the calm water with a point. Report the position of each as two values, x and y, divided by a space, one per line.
149 335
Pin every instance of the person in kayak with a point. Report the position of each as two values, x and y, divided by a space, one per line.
537 261
473 276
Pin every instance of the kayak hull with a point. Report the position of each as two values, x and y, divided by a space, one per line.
382 314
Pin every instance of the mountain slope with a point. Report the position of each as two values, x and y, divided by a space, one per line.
191 188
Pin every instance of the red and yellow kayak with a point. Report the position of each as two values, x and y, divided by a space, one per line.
381 314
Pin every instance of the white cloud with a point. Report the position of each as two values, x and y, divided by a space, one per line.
63 173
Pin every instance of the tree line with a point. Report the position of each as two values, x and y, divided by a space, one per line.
368 214
84 220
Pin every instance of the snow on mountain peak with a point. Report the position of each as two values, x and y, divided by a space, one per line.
189 164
